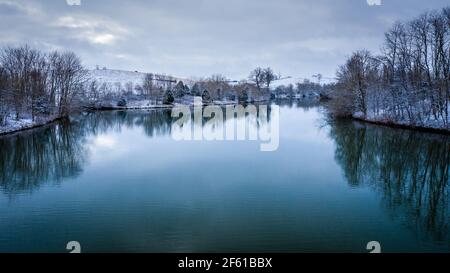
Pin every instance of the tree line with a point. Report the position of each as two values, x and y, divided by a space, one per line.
44 86
38 85
215 87
305 90
408 82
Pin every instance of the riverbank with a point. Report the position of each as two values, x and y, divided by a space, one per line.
23 124
392 124
146 105
27 124
15 126
149 107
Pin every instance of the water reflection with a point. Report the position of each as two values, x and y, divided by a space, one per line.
154 122
48 154
52 153
409 169
296 103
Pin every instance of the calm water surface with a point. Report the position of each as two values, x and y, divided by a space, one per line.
118 182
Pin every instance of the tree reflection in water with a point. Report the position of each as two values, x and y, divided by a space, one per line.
58 151
52 153
46 154
410 169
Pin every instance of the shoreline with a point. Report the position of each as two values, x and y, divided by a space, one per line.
112 108
30 127
105 108
403 126
166 107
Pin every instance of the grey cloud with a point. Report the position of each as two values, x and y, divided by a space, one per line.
201 37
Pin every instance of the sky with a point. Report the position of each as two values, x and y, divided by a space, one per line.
198 38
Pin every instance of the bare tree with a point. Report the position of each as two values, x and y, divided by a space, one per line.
268 77
148 85
35 84
94 92
71 76
4 96
129 88
410 81
257 77
355 77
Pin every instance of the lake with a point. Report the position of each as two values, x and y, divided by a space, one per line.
118 182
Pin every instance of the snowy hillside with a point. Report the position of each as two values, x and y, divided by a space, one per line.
294 81
116 80
285 82
112 77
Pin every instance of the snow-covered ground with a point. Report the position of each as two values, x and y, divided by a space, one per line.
293 80
385 119
133 104
13 125
285 82
312 95
150 104
112 77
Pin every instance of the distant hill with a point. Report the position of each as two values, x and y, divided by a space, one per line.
112 77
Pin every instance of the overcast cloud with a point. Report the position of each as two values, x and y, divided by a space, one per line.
202 37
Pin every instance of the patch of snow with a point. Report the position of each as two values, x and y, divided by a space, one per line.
12 124
383 117
113 77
